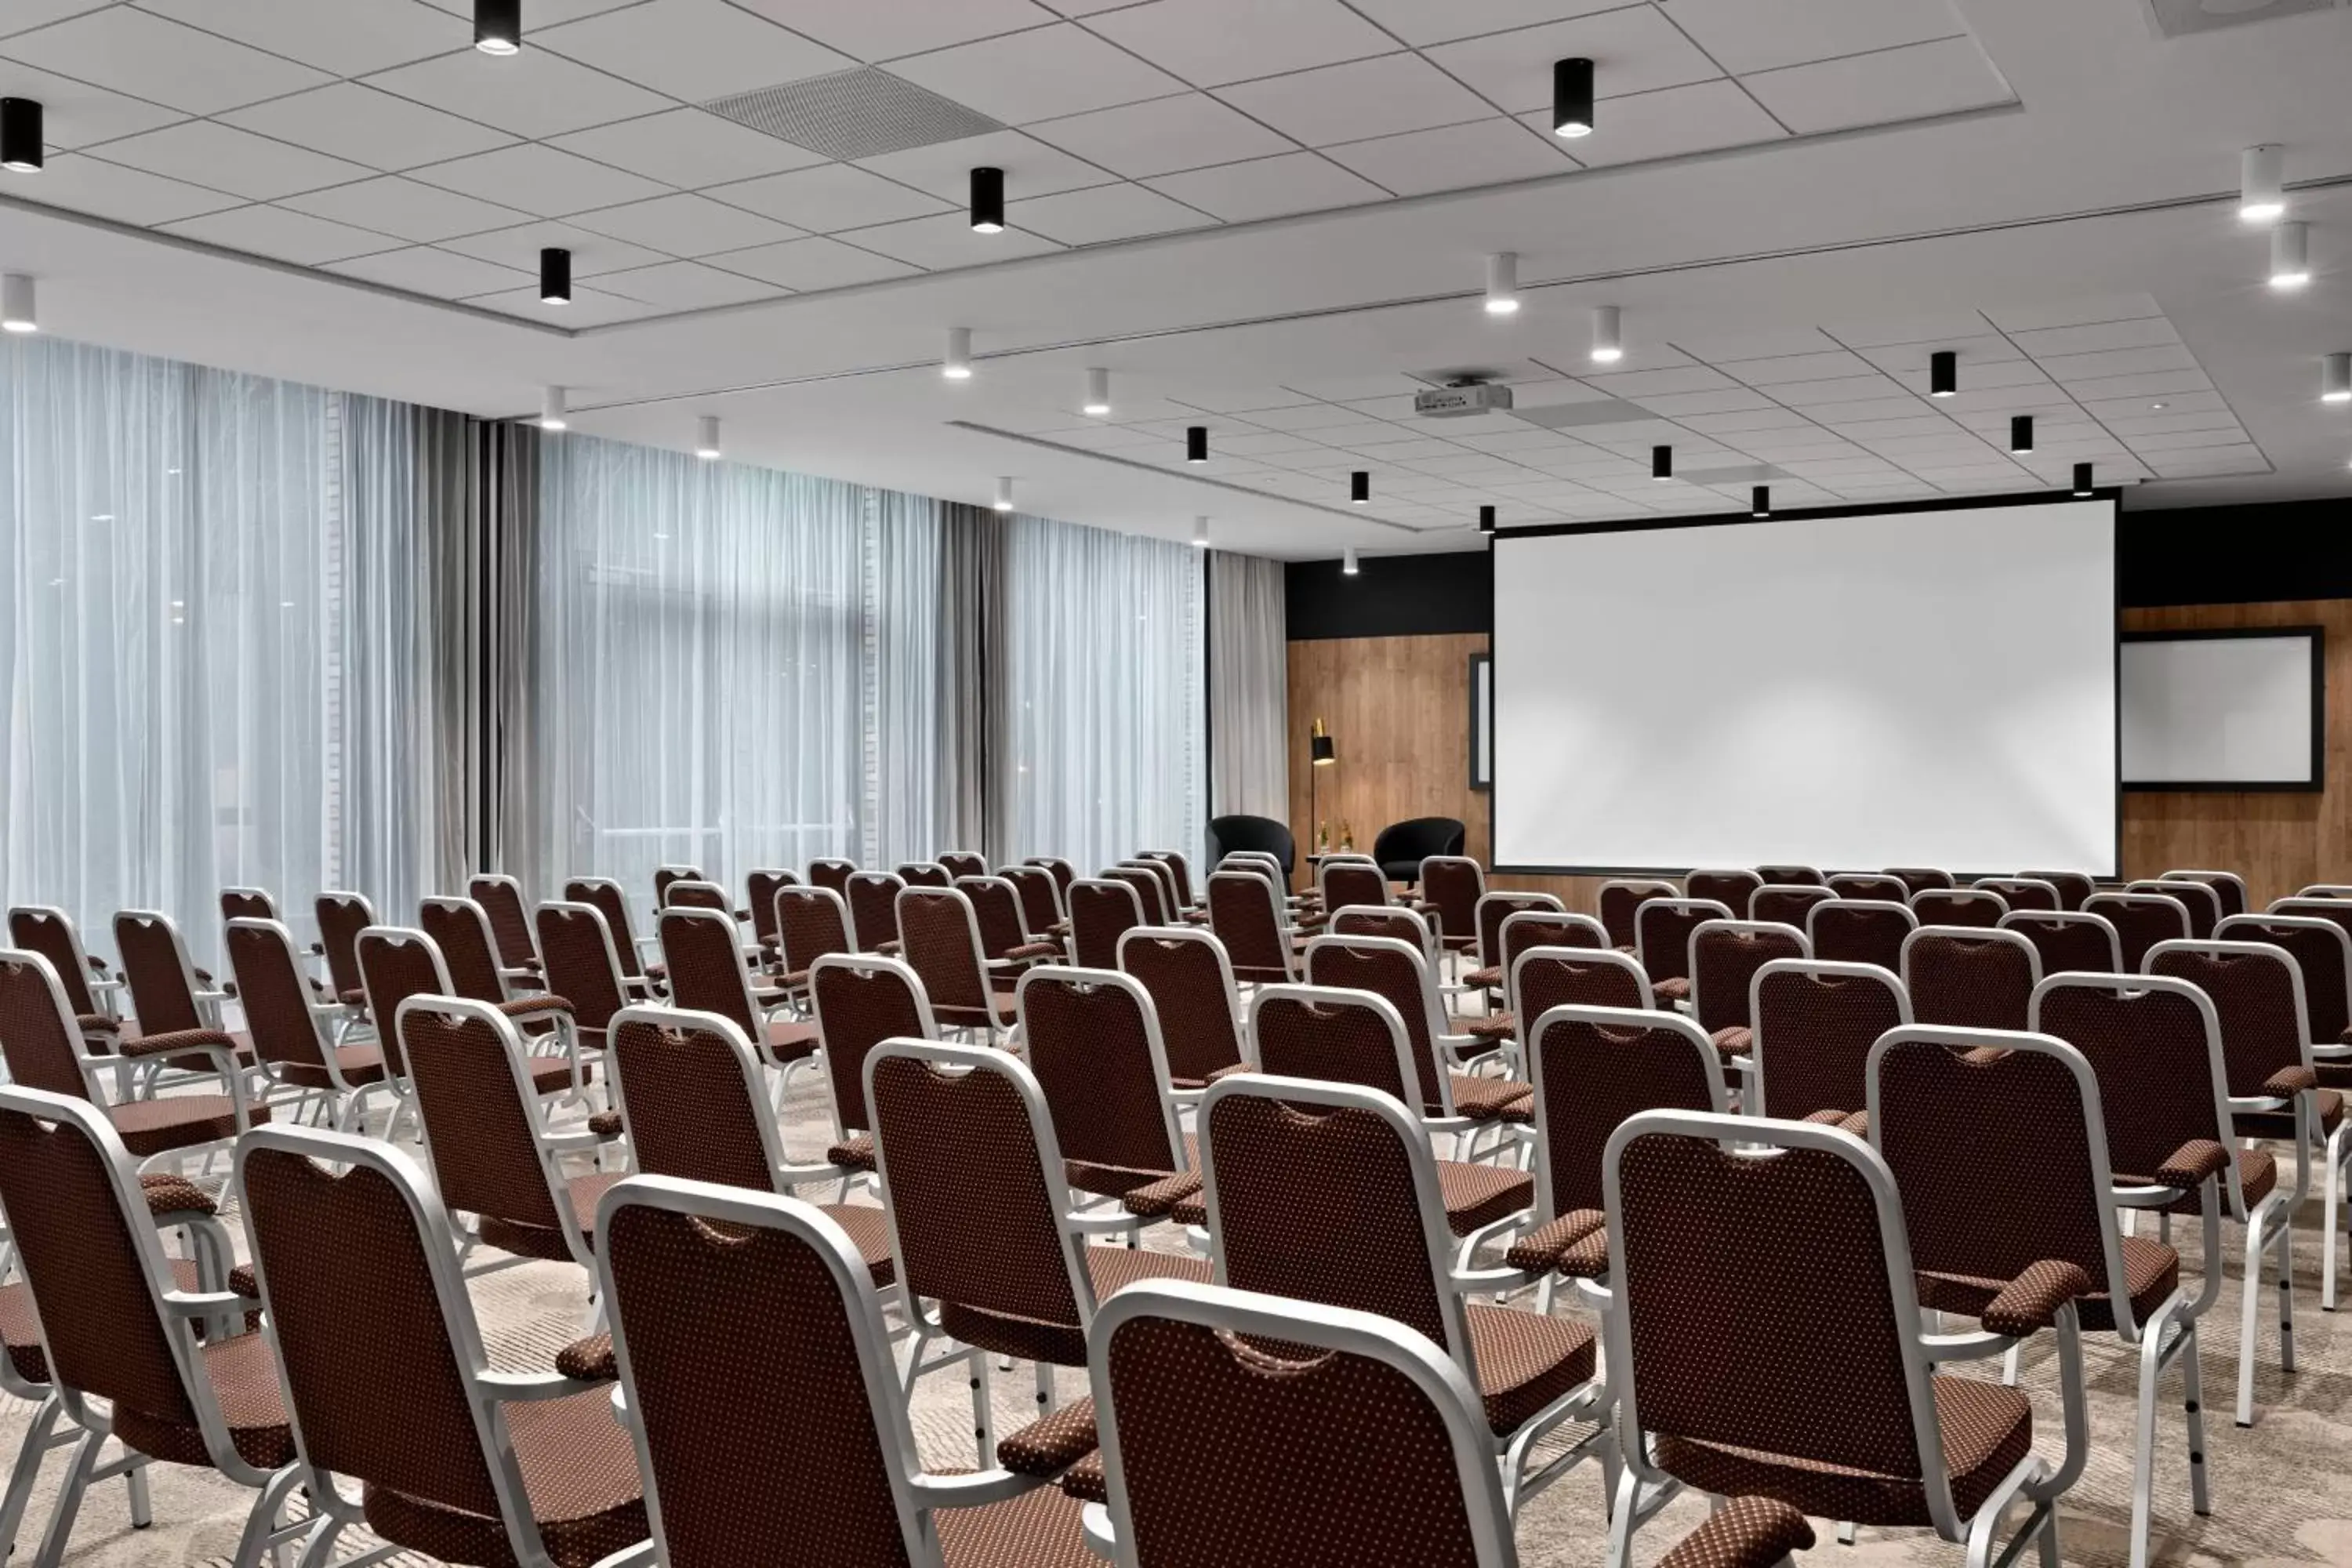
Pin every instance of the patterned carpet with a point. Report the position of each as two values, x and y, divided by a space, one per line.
2282 1492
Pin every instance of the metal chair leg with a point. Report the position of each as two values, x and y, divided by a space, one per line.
38 1441
2250 1316
63 1512
261 1520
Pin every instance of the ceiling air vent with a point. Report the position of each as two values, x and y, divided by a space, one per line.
2179 18
851 114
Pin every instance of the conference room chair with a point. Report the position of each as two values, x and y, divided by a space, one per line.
169 996
1725 958
43 1049
925 874
2155 1045
1246 911
960 863
760 886
1190 979
1792 876
1005 940
2140 921
341 917
1731 887
1342 883
1302 909
606 895
502 897
1816 1021
2020 892
1359 1038
664 875
1786 903
832 872
1171 892
942 939
1919 879
980 1215
183 1377
474 1463
2069 939
460 934
1151 891
582 967
2229 889
1661 935
1487 919
1873 886
708 973
1998 1150
2198 900
1391 920
1522 932
247 904
1093 1039
1402 975
694 1097
1543 978
1861 931
1978 907
2337 912
861 999
1327 1193
690 894
2073 887
92 992
1779 1245
1042 912
874 910
1064 873
1450 887
811 922
1967 977
1263 835
1398 848
1180 868
2324 891
1102 910
291 1044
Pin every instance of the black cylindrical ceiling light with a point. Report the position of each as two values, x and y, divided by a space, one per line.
2021 433
1360 487
988 201
1485 520
554 276
1759 501
1196 443
2082 478
1572 98
20 135
1662 462
498 26
1943 372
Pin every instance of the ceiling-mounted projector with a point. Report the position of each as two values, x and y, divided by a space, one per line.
1465 398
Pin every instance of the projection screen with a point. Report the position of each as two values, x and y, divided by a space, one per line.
1930 686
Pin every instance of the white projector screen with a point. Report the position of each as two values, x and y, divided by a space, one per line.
1932 687
2223 711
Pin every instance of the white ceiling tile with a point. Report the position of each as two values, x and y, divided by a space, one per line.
519 246
2184 440
1799 367
816 263
1436 21
946 241
1731 425
2077 312
1862 409
534 93
402 206
1875 430
1639 356
1311 417
1838 389
1673 405
285 235
1038 75
158 60
231 159
1244 400
686 225
1186 131
2146 331
2151 385
74 113
1757 35
349 121
422 270
687 148
882 32
1105 213
1353 102
589 307
1642 384
1670 122
1914 358
830 197
542 13
1483 152
687 286
693 49
1030 167
1932 330
1909 83
1212 42
88 184
22 15
348 37
1552 393
1296 182
1637 51
1260 445
2211 461
539 179
2178 402
2072 368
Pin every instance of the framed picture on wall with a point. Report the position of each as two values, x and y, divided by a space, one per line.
1482 715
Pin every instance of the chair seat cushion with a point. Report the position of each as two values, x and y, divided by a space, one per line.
1987 1429
856 1152
1487 979
1112 1269
358 1064
1117 1181
1734 1042
2151 1272
541 1241
1001 1012
20 1330
789 1040
1489 1098
244 1376
552 1074
1486 1026
1038 1529
2281 1124
1051 1444
178 1121
1676 989
869 1232
1526 1361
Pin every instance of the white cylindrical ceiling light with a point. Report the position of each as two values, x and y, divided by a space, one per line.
551 409
1608 341
2262 184
1503 283
957 364
1005 494
2336 378
1097 391
1348 561
706 438
17 312
2290 255
1201 533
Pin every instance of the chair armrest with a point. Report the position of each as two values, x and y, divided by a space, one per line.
534 1006
643 1555
968 1491
184 1042
2290 1081
2032 1302
794 1175
2199 1160
1854 1122
1746 1532
589 1361
97 1023
205 1303
1542 1250
522 1387
1157 1200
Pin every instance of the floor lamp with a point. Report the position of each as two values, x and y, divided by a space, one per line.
1320 753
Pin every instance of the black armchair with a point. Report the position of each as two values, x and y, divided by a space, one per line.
1402 846
1227 834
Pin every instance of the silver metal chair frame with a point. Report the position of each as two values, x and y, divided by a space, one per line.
2017 919
1758 1092
1185 1099
346 1102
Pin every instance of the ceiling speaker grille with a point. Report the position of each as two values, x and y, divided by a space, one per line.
860 113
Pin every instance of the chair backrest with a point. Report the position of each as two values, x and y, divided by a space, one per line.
760 889
157 972
38 928
1496 908
1194 1412
275 997
996 910
925 874
2155 1045
961 863
695 1099
2229 889
247 904
1400 847
1617 901
1062 871
610 902
1102 910
942 938
462 931
483 1121
2322 950
342 917
1786 903
1263 835
874 908
1594 1066
1792 876
2141 921
693 893
1725 958
2068 939
1391 920
1151 890
395 963
583 965
2198 900
860 1000
1400 972
1345 882
1964 977
1976 907
2022 892
1662 933
1180 870
1919 879
2257 994
664 877
39 1041
1815 1023
501 899
704 956
1093 1039
1542 978
1171 898
1452 885
1246 911
1191 982
1731 887
2073 887
1529 929
1876 886
827 871
811 922
1333 1036
1860 930
1041 895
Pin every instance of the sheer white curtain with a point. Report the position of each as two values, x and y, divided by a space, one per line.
1103 689
732 668
1249 687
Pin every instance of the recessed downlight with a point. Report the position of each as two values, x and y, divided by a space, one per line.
2290 255
551 409
554 276
2336 378
2262 184
1662 463
16 309
2082 479
706 438
1005 494
1196 443
2021 433
956 363
1199 533
988 201
1572 98
1503 284
498 27
20 135
1098 402
1759 501
1360 487
1943 374
1348 561
1608 339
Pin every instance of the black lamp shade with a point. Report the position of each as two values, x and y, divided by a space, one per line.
1485 520
1761 500
1359 487
1322 750
498 26
1943 372
1196 443
988 200
1572 97
555 276
1662 462
2021 433
2082 478
20 134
